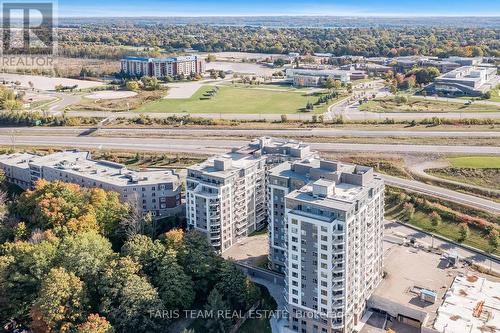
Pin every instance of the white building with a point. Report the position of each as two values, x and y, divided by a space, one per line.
316 77
333 249
226 195
155 191
466 81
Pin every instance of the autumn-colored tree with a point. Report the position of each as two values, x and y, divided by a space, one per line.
23 266
174 238
95 324
69 208
62 300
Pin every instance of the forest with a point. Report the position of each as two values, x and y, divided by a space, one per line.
74 259
112 41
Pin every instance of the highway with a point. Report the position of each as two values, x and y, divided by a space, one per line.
211 146
221 132
443 193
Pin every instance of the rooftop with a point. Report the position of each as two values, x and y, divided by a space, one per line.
230 162
79 163
471 305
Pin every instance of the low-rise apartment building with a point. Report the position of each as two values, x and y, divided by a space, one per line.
226 195
333 230
163 67
151 191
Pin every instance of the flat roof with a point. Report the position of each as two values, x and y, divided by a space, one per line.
471 305
238 161
79 163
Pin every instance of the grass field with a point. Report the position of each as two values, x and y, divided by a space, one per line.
236 100
487 178
481 162
387 104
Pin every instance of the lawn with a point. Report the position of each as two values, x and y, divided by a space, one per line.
387 104
237 100
482 162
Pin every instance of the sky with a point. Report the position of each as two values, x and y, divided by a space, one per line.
114 8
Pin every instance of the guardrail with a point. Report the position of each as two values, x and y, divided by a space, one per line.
273 277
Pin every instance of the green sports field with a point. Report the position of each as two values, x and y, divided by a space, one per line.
238 100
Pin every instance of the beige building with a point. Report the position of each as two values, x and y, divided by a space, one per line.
151 191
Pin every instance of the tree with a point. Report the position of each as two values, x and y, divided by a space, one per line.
132 85
329 83
278 62
86 255
95 324
23 266
409 210
150 83
435 218
216 304
199 260
174 286
69 208
211 58
401 99
463 231
62 300
144 251
493 239
237 290
174 239
127 298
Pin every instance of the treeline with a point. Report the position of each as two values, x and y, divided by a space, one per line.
24 118
78 260
114 41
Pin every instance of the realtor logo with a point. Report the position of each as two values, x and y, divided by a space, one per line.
28 28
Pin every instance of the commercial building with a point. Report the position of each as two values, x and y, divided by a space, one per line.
151 191
226 195
333 241
465 81
315 77
162 67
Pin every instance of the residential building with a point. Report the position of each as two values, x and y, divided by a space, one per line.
151 191
465 81
327 218
315 77
162 67
226 195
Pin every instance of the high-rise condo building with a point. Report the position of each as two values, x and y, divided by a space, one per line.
226 195
326 232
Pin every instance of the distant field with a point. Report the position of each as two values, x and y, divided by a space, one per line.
237 100
482 162
387 104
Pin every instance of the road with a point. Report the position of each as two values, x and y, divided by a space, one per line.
399 229
207 145
443 193
221 132
210 146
